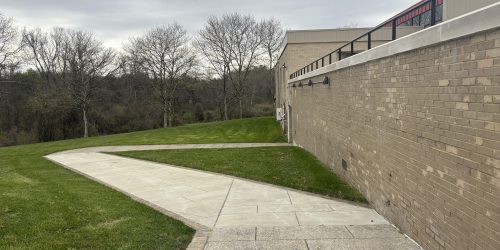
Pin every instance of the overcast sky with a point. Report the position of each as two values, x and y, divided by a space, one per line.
113 21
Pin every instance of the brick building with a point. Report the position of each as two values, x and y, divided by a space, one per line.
410 116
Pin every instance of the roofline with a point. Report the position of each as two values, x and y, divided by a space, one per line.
315 30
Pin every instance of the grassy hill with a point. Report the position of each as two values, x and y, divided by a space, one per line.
284 166
45 206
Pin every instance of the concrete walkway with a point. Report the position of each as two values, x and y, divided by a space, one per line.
233 213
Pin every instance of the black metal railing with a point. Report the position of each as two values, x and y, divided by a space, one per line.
414 14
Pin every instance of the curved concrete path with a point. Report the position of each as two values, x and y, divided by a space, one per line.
234 213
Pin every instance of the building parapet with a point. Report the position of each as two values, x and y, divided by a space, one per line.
473 22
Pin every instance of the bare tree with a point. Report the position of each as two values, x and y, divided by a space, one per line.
213 43
87 60
244 38
51 100
47 52
164 54
272 37
9 43
74 59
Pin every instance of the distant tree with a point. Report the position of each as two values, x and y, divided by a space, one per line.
50 103
348 26
245 40
69 74
164 55
88 59
9 44
213 43
70 58
272 37
48 53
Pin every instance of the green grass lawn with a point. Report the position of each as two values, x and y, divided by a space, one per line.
45 206
286 166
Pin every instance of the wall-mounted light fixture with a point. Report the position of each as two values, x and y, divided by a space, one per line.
326 80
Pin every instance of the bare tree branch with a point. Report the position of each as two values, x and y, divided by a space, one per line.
213 43
9 43
164 55
70 58
244 39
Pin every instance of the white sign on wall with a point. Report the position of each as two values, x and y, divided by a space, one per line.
279 114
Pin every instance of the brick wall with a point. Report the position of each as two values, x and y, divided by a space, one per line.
420 132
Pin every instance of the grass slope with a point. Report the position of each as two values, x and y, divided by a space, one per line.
45 206
286 166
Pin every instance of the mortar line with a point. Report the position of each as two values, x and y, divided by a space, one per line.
307 245
354 237
224 203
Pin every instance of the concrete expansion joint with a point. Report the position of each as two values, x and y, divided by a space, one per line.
224 203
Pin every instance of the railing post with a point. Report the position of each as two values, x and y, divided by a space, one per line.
433 12
322 62
369 40
394 29
330 58
340 54
352 48
316 64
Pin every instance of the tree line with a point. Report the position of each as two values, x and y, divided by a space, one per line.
64 83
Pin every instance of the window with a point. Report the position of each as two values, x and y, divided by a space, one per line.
425 19
416 21
439 13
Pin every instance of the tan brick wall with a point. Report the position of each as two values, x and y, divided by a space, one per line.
295 56
420 132
301 55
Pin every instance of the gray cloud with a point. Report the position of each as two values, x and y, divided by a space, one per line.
114 21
